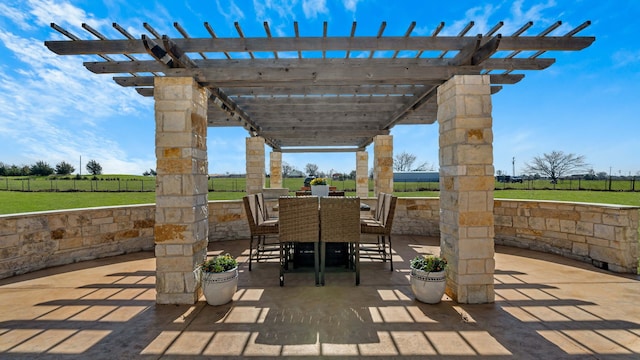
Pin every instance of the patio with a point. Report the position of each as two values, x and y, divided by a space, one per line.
546 307
316 94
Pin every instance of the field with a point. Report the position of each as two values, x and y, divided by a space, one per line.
110 190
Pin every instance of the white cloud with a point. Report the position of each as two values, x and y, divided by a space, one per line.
18 17
232 12
351 5
266 8
625 57
62 13
312 8
56 110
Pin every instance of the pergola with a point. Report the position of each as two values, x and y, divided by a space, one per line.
322 94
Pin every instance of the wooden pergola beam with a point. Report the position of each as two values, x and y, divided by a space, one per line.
114 67
386 43
326 101
320 150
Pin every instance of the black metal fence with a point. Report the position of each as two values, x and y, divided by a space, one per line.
71 185
238 184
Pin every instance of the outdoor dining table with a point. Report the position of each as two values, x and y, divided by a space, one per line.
337 253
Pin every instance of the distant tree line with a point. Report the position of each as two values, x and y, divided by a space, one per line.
42 168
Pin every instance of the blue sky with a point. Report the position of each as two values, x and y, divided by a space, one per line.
53 109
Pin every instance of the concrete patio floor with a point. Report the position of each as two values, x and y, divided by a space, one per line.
547 307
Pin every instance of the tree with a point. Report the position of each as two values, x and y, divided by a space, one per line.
311 169
556 164
286 169
41 168
94 168
64 168
403 161
423 167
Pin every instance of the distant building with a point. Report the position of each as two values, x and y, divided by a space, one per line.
416 176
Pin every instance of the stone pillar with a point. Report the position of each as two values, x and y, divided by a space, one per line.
275 169
181 229
255 165
466 187
362 174
383 164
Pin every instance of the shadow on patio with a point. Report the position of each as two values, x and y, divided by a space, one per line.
546 307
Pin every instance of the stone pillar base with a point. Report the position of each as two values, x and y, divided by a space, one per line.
362 174
182 216
466 187
383 164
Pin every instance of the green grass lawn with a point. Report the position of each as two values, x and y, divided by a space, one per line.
17 202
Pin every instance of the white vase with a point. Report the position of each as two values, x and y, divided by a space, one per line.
428 287
219 288
320 190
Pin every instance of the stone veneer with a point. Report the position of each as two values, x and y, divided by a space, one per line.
593 233
181 231
255 164
362 174
34 241
383 164
275 169
466 187
605 235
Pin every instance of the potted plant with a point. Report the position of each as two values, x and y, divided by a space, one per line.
428 278
218 277
319 187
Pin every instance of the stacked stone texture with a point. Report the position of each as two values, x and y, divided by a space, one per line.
383 164
275 167
466 187
362 174
29 242
593 233
255 164
181 231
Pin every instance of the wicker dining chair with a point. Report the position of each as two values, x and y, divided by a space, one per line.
298 223
382 229
259 229
377 212
374 249
263 211
340 222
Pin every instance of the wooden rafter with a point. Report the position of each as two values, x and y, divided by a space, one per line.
330 101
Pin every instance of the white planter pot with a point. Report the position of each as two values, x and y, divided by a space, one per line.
219 288
428 287
320 190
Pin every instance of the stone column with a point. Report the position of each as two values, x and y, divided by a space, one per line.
362 174
383 164
181 229
255 164
466 187
275 169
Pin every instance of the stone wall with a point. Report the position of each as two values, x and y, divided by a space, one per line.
593 233
605 235
34 241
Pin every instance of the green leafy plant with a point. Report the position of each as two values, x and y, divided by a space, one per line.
429 263
218 264
319 181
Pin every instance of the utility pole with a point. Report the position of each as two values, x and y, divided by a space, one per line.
513 163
